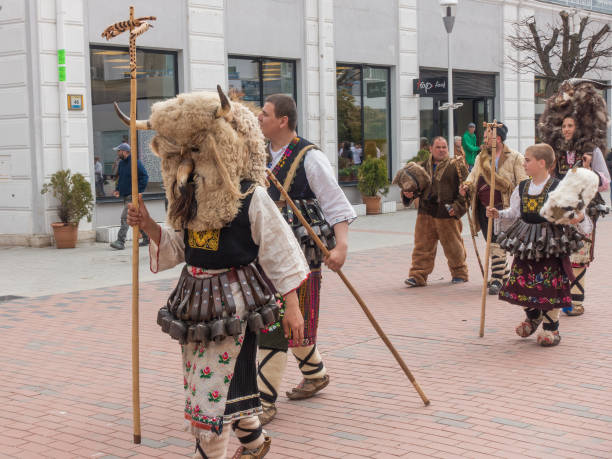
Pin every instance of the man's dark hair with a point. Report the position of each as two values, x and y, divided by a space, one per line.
284 106
438 138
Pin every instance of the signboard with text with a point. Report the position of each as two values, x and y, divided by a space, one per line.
598 6
430 86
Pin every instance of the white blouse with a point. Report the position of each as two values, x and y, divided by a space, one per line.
514 211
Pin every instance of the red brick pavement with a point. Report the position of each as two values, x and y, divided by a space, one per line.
65 374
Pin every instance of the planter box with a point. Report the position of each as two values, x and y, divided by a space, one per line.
360 209
388 207
109 233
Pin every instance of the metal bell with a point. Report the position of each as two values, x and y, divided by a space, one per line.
217 331
161 314
202 332
191 334
255 322
178 330
233 326
267 315
276 310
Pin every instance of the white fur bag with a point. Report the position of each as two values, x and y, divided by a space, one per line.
573 194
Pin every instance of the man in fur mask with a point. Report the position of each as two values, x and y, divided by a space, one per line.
575 124
440 210
509 172
225 228
306 174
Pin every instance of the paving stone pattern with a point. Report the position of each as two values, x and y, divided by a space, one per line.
65 381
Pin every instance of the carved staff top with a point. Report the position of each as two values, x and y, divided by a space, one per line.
136 27
492 127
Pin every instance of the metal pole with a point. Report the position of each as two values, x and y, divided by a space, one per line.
451 135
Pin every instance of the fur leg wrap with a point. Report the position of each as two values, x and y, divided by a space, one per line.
531 324
549 336
578 286
272 364
499 264
249 432
310 361
215 447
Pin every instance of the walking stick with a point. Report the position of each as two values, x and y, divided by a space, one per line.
136 27
367 312
469 216
494 125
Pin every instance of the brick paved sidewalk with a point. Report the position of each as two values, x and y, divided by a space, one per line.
65 374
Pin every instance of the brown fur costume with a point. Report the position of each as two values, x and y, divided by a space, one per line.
209 145
412 177
580 100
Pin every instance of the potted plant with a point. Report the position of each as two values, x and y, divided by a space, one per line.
344 174
75 201
373 179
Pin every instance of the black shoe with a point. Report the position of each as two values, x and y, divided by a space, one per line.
143 243
458 280
119 245
494 287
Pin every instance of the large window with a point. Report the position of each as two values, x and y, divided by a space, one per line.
363 117
110 82
252 79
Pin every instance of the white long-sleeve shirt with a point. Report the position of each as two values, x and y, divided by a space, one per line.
324 185
598 165
514 211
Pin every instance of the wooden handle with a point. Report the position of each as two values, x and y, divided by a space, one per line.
364 307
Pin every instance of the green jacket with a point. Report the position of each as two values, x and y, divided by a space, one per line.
470 146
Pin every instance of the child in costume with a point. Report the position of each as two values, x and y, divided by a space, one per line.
541 274
234 243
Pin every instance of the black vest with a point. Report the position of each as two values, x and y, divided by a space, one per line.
300 188
531 205
230 246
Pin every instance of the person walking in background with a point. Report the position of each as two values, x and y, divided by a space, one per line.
458 150
99 174
123 189
470 145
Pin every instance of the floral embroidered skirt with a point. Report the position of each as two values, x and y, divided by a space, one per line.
309 296
540 284
220 379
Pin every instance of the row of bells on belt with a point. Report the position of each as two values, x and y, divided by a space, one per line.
216 330
319 226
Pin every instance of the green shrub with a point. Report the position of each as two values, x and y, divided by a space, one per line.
421 156
73 194
373 177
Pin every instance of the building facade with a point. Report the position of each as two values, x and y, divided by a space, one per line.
353 66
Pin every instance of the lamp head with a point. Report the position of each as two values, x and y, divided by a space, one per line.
449 7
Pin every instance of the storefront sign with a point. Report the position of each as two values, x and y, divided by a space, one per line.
61 64
428 86
75 101
599 6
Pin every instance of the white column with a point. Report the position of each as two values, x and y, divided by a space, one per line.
320 88
408 69
207 58
517 103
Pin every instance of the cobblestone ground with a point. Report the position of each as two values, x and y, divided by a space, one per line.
65 380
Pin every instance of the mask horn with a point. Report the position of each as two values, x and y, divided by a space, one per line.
225 108
143 125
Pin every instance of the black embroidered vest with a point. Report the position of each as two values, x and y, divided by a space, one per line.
531 205
565 161
300 188
230 246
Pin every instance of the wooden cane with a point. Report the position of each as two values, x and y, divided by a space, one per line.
367 312
494 125
469 216
136 27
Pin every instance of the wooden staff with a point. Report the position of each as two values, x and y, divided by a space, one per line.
469 216
367 312
494 125
136 27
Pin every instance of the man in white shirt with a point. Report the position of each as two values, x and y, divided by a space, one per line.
311 182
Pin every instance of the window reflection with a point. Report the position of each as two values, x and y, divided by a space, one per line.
363 117
110 82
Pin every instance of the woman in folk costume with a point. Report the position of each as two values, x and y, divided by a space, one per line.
540 276
236 248
575 123
509 172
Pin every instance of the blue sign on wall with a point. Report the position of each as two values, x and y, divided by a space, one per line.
598 6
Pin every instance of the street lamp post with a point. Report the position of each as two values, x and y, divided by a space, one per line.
448 17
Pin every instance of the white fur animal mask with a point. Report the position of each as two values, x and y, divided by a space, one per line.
207 146
573 194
